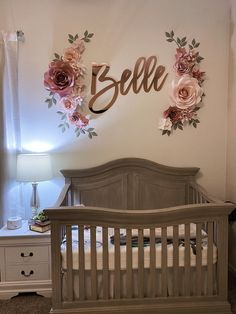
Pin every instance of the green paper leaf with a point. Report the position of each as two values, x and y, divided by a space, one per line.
170 40
86 33
56 55
167 34
90 135
94 134
193 42
60 112
76 37
190 47
199 59
86 40
70 41
70 36
90 35
172 33
54 100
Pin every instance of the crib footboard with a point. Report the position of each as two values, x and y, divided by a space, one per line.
171 260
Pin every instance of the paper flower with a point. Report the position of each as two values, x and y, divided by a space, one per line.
186 89
65 80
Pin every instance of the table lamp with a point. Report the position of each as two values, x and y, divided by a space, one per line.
34 168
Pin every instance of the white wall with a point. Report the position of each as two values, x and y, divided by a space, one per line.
124 31
231 152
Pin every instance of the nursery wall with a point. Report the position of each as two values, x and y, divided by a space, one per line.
124 30
231 152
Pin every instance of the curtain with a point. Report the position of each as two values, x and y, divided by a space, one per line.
10 127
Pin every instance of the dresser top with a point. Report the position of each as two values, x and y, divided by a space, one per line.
22 232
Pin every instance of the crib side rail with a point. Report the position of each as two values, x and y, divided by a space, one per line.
214 215
148 217
196 194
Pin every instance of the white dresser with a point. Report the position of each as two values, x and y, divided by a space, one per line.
25 262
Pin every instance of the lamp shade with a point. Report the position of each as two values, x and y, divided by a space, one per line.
33 167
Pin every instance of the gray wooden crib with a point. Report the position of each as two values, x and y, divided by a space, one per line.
147 240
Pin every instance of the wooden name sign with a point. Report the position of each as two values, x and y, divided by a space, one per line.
146 75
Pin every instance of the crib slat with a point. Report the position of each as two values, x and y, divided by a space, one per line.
199 258
81 263
164 261
210 259
152 263
105 263
69 263
222 261
117 264
93 263
56 263
187 259
140 264
129 275
176 258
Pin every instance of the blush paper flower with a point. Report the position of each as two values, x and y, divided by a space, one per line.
186 89
186 92
65 79
60 78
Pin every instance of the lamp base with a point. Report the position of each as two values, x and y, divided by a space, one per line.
34 203
34 211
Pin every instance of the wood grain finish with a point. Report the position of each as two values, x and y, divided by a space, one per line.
139 194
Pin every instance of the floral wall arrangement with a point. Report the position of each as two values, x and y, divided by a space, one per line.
65 81
186 89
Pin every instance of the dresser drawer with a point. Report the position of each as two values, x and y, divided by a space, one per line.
27 272
26 255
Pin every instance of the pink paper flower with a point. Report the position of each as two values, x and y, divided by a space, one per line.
78 119
60 78
174 113
68 104
79 45
186 92
71 55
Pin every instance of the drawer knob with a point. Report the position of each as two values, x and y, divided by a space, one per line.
27 275
23 254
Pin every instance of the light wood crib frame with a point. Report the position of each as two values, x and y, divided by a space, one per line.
138 194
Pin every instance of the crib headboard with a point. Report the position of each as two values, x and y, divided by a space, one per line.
129 183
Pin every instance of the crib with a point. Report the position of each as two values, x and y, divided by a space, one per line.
134 236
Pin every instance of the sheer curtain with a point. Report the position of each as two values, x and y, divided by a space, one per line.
10 127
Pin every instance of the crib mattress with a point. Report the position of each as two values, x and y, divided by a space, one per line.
111 248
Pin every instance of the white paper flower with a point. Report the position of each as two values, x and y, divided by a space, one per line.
165 124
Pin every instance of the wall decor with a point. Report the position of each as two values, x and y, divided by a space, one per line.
65 79
186 88
145 76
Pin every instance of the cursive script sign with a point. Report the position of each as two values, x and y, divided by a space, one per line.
146 75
